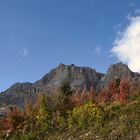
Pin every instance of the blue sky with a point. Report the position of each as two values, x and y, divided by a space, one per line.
37 35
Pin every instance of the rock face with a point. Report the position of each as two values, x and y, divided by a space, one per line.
78 77
120 71
18 94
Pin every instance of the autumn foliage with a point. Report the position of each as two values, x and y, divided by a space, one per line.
67 109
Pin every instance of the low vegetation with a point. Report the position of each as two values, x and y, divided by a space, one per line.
110 114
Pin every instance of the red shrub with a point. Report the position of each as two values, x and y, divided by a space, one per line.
124 90
75 99
113 90
102 96
116 91
28 107
92 94
14 117
84 95
4 124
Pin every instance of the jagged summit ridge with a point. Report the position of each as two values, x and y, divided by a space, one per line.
78 77
120 71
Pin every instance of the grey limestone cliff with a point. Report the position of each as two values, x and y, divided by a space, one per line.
78 77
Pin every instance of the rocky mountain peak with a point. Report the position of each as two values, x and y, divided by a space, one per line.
119 70
78 77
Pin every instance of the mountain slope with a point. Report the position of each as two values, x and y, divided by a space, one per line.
119 71
78 77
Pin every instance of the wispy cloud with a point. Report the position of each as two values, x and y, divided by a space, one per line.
25 52
117 26
101 24
137 12
17 21
131 3
127 44
97 51
132 14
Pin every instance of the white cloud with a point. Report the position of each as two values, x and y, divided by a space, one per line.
127 44
25 52
97 51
